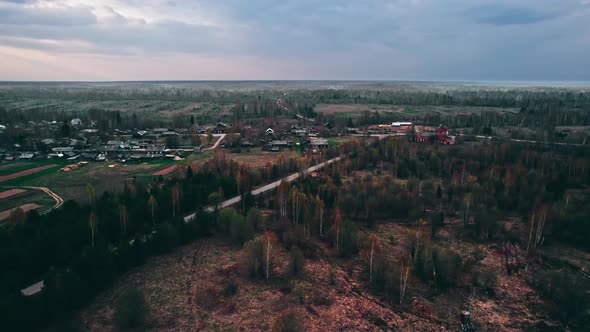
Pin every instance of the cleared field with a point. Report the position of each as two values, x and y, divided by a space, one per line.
357 110
72 185
155 109
21 197
258 158
25 207
11 192
26 172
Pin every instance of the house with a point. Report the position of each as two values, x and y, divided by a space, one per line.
270 131
140 133
76 122
48 141
26 156
277 145
89 131
33 289
221 128
77 143
319 143
401 124
63 149
298 131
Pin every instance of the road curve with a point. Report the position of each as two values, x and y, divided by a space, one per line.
58 200
266 187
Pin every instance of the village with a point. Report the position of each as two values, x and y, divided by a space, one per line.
81 143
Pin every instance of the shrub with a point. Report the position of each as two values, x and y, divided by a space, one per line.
299 293
255 258
131 310
231 289
296 262
289 321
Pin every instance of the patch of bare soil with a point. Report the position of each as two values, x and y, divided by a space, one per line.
166 170
190 290
11 192
25 172
25 207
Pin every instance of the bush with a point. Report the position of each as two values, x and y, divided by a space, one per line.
568 292
448 266
486 280
289 321
240 230
131 310
299 293
255 258
231 289
297 262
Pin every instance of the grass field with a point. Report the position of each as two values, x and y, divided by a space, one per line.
29 196
72 185
257 158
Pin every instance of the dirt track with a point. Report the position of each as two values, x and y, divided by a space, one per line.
25 172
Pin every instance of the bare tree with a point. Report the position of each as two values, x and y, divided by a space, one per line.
269 241
337 227
404 271
371 252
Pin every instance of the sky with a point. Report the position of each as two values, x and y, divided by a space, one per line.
433 40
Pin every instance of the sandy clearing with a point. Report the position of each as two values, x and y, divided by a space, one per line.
24 207
25 172
11 192
166 170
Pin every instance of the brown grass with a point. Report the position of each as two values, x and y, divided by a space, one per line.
24 207
353 108
11 192
25 172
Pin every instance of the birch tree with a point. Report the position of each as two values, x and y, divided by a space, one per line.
269 242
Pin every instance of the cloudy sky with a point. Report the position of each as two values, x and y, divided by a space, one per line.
523 40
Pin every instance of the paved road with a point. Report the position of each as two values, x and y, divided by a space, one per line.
221 137
58 200
266 187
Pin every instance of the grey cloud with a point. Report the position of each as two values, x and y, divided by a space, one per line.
504 15
427 39
19 15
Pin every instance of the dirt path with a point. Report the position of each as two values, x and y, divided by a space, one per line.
25 172
58 200
221 137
